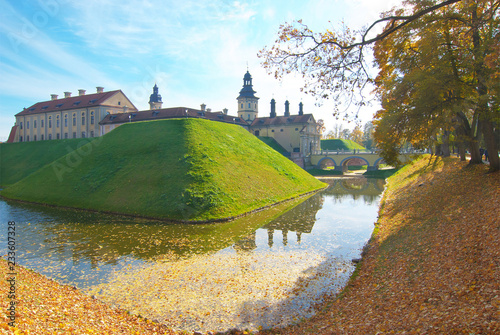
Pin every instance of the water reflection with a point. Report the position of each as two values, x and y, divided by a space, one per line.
300 250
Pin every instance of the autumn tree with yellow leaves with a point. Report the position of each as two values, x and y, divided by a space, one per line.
437 70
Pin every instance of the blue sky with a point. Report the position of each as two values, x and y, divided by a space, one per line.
196 51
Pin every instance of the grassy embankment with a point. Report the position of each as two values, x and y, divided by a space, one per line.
340 144
432 265
18 160
184 170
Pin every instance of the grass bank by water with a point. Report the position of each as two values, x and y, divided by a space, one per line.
183 170
432 265
19 160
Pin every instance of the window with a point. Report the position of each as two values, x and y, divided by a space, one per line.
272 130
248 105
41 123
27 126
34 137
83 134
20 138
65 120
74 119
28 138
91 117
50 136
58 136
242 106
20 125
74 134
257 133
281 130
43 137
34 124
57 122
91 133
65 135
50 123
83 119
119 103
296 129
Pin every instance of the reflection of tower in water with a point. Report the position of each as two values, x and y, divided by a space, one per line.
299 220
247 243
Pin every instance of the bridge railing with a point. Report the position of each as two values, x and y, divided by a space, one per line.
343 152
353 152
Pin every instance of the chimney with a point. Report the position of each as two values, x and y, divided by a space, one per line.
203 106
287 108
224 111
67 94
100 89
273 108
301 108
81 92
53 97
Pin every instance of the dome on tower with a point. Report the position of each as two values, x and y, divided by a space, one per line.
247 90
155 97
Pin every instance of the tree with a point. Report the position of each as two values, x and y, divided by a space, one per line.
433 79
368 131
357 135
333 65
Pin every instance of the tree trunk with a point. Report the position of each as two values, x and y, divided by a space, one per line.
445 147
491 146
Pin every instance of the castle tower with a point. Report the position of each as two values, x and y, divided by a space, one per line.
287 108
155 99
273 108
248 103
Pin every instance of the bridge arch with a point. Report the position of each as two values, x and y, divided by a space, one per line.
347 159
379 161
323 162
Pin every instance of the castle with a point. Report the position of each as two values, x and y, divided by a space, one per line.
93 115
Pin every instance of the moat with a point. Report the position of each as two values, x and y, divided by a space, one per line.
264 270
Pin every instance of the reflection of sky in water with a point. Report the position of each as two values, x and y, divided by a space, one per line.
312 242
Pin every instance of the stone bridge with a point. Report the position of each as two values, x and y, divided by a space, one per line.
341 159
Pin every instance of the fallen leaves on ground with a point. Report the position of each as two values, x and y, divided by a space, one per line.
45 307
433 267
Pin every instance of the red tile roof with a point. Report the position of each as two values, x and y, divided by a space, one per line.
169 113
12 134
281 120
80 101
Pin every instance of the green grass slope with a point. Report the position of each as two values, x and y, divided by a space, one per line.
184 169
273 144
18 160
339 144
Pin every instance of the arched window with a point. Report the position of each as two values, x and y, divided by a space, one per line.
57 121
91 117
65 120
34 125
41 124
50 123
83 119
74 119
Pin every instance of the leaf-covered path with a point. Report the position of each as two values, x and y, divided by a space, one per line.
432 267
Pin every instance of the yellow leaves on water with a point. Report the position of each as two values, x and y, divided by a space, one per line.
222 291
